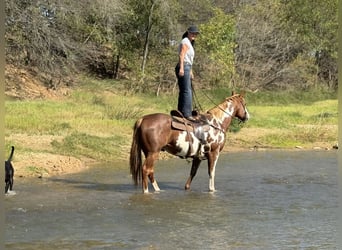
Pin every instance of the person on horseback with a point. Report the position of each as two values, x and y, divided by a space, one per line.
184 73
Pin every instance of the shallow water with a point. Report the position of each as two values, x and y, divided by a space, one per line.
265 200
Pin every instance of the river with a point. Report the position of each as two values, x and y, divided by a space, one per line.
264 200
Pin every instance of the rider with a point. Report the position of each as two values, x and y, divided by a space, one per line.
184 73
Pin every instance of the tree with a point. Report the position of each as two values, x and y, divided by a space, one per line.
147 33
254 44
94 26
314 25
34 39
58 38
263 50
281 43
153 24
217 44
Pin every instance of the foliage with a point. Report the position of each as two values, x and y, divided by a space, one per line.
314 25
264 44
217 42
91 146
274 36
263 50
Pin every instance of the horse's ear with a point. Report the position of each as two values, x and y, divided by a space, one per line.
233 93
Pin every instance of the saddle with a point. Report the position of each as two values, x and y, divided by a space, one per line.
198 127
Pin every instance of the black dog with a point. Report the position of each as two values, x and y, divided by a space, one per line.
9 172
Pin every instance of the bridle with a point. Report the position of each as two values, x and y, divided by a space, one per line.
228 99
224 111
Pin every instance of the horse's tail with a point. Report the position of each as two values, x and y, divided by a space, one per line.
135 155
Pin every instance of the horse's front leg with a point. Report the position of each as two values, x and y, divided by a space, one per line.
212 160
195 164
148 173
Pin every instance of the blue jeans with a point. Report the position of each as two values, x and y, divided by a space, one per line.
185 91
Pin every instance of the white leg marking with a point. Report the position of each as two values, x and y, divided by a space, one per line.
155 186
212 178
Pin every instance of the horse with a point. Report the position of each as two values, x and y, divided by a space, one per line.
153 133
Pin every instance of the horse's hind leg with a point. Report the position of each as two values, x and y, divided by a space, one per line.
148 172
195 164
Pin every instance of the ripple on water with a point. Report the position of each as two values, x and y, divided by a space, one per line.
267 200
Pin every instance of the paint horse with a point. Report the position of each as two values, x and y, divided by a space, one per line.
154 133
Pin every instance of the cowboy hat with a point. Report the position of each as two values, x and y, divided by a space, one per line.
193 29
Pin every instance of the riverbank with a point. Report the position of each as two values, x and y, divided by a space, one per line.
45 164
66 131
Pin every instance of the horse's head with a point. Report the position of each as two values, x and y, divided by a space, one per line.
240 106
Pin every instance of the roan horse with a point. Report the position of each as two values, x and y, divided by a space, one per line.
154 133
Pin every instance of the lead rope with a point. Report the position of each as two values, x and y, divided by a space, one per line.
195 98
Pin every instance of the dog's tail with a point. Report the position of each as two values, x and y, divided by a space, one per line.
11 155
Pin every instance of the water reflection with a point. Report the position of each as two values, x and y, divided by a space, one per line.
265 200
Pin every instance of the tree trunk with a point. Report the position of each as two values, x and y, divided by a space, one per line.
147 37
116 64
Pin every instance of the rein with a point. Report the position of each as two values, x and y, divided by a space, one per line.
215 127
218 105
213 102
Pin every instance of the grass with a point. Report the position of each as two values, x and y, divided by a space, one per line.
96 120
36 170
91 146
319 113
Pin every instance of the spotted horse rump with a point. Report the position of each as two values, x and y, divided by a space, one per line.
157 132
